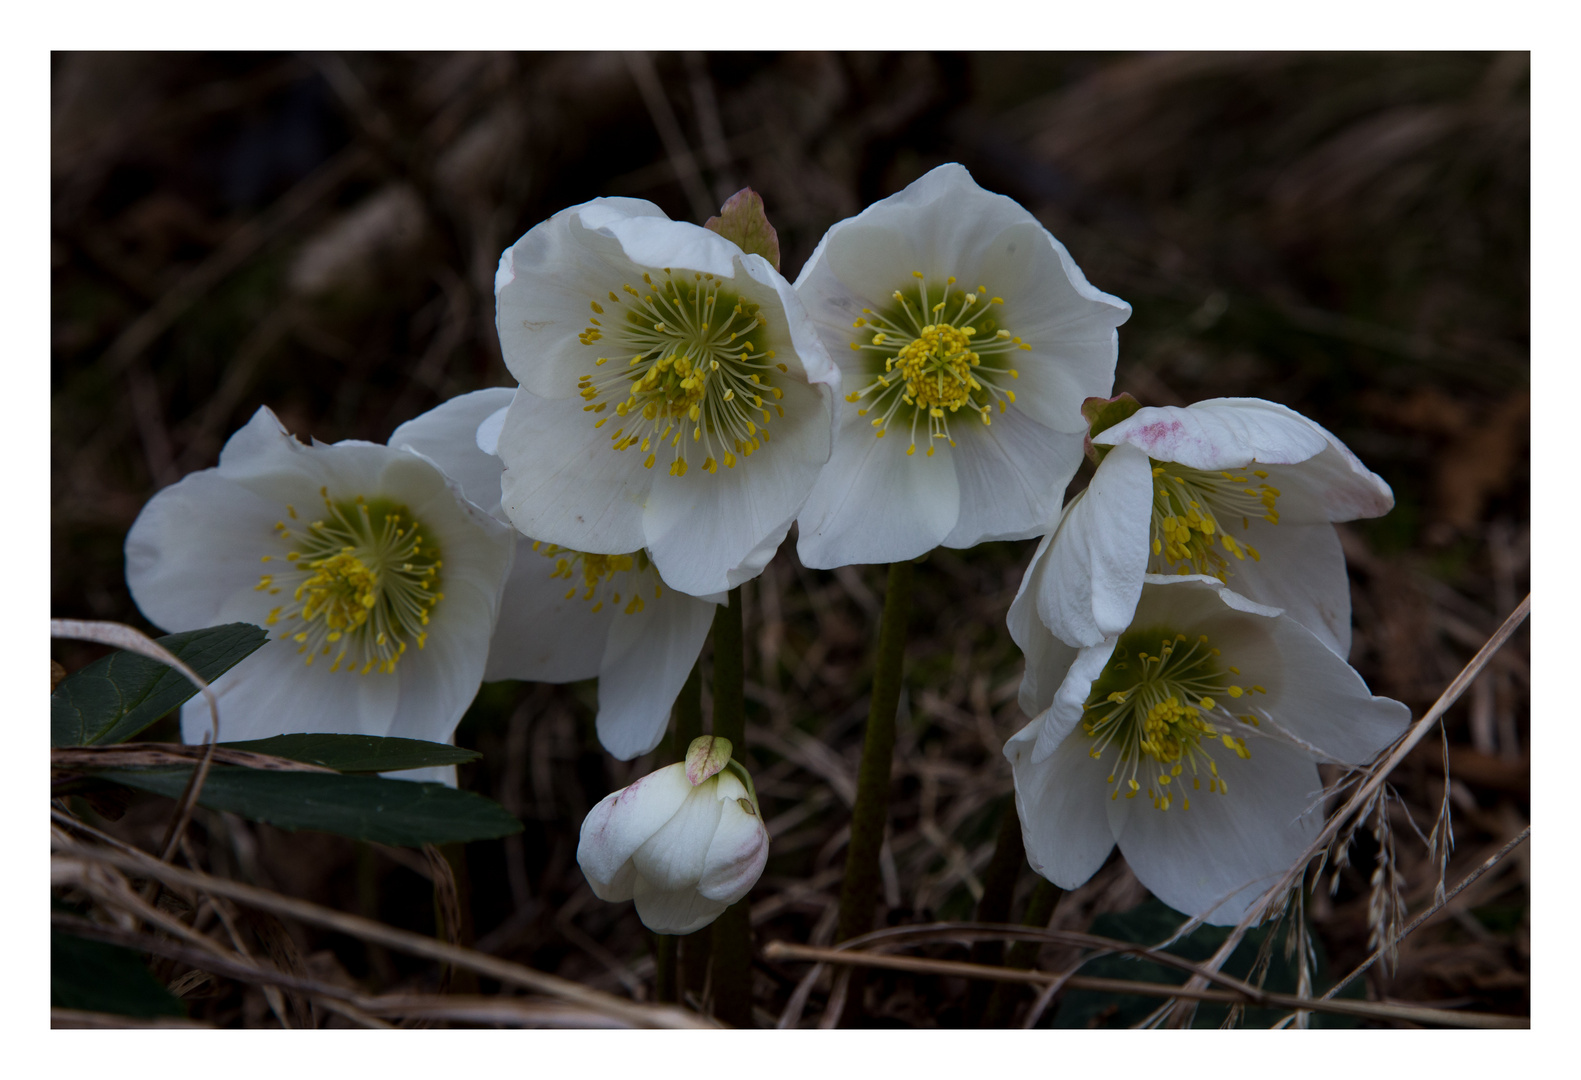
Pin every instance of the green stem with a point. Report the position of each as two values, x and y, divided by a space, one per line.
671 978
870 814
999 887
732 931
1040 908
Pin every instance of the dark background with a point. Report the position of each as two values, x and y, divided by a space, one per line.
1347 234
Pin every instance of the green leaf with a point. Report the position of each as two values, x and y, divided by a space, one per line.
743 221
399 812
358 753
113 699
96 977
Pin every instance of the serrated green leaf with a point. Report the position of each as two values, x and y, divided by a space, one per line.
400 812
744 222
358 753
98 977
114 698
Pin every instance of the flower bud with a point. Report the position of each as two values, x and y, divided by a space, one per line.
683 851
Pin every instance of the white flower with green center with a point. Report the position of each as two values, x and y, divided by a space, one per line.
674 397
684 842
1239 489
378 582
967 340
1191 740
568 615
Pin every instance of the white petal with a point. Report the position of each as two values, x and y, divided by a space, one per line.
1047 658
1070 700
1012 477
736 857
873 504
434 774
1302 571
195 550
1224 433
625 820
273 692
708 532
541 635
447 436
565 483
1219 856
1319 479
560 268
1061 802
1311 692
1319 698
1095 565
649 655
488 434
673 857
674 911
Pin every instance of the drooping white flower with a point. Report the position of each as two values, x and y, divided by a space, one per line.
570 615
1237 488
1190 740
684 842
378 582
674 397
967 339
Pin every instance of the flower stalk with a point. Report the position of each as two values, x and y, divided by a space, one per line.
1040 909
870 814
675 969
731 937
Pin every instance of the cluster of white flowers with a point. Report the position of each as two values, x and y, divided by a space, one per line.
680 405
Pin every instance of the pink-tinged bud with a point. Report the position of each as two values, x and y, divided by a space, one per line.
683 851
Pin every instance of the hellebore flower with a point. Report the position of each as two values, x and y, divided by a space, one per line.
965 331
1190 740
570 615
684 842
378 582
673 396
1240 489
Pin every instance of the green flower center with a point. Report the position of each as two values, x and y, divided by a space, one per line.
1191 509
1158 713
363 582
598 577
928 357
697 374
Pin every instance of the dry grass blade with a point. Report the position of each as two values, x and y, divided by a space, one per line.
1364 793
1438 904
136 755
781 950
78 1018
390 937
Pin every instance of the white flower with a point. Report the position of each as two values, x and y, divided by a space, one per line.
674 396
963 330
684 842
569 615
1237 488
378 582
1189 740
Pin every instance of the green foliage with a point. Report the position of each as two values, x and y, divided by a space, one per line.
399 812
358 753
96 977
1152 922
114 699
